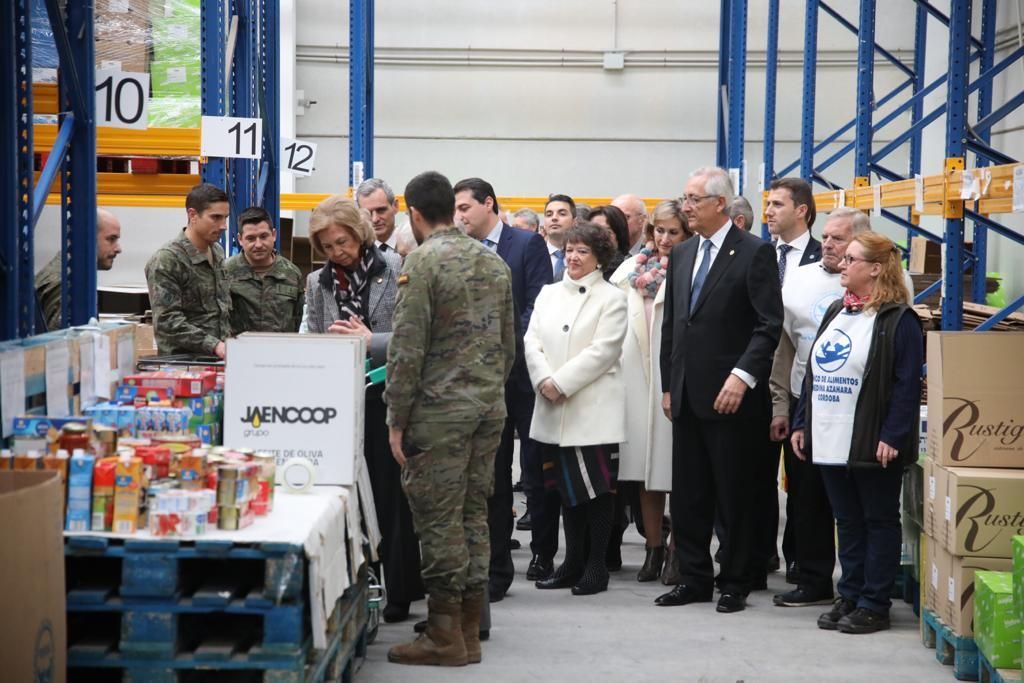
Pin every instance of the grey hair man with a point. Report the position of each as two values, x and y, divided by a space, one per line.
526 219
636 219
378 199
741 213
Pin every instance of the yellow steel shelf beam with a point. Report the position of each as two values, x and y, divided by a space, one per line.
152 142
44 98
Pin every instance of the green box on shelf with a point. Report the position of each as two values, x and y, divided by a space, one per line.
175 112
168 9
997 627
1018 576
175 79
176 38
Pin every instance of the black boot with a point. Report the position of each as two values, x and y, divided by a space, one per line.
670 576
653 563
599 519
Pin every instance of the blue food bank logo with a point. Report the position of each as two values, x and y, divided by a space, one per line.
834 351
821 307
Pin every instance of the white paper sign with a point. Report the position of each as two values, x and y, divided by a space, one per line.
101 374
12 387
734 177
970 188
840 198
119 6
876 198
122 99
298 156
125 356
87 371
918 193
297 396
760 177
743 177
357 173
1018 188
176 74
178 31
231 137
57 362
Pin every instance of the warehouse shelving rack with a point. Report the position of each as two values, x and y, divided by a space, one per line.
961 138
251 89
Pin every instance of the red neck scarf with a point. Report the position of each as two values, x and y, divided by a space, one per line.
854 303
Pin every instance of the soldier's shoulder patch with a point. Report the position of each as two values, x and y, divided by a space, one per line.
403 279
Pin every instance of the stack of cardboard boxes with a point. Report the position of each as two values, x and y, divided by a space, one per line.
974 473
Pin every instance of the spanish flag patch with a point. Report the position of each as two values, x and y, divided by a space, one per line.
403 279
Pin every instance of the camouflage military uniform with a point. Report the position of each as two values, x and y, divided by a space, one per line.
451 351
47 283
269 303
189 296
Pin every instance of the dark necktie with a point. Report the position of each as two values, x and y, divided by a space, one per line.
784 250
702 273
559 264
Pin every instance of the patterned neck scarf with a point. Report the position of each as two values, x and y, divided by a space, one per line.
649 272
349 286
853 303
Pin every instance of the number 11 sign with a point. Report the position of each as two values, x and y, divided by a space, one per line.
227 136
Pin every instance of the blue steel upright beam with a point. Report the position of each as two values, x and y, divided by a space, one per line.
270 104
360 69
242 173
770 86
17 299
865 88
737 86
980 232
78 177
722 139
920 53
956 130
212 48
810 72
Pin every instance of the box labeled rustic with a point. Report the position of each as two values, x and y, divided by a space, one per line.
986 510
976 399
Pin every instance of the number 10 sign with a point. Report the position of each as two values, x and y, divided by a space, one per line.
227 136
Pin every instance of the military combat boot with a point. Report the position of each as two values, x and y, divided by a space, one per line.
472 608
441 644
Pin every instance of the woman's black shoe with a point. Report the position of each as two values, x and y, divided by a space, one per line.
395 612
590 587
557 581
653 564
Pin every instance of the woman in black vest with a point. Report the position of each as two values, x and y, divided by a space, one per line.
858 420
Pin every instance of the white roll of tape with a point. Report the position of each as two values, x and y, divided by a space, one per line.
298 475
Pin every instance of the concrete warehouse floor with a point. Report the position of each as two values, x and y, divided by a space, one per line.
620 635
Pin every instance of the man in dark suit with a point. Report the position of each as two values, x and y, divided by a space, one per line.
526 254
723 317
790 212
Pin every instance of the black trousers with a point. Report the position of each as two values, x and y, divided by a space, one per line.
809 522
712 467
499 513
399 548
544 506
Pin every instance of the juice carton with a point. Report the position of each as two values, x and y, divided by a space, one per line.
128 486
80 491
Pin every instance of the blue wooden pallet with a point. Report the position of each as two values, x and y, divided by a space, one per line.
172 569
349 637
989 674
950 649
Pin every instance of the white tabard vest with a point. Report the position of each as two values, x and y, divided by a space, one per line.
838 360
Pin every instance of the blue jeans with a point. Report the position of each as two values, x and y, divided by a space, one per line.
866 505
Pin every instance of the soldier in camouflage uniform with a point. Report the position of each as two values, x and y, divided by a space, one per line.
188 290
266 288
48 280
452 350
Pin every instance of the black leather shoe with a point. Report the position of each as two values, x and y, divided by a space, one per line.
793 573
585 588
395 612
496 593
517 487
420 626
773 564
682 595
514 544
730 602
653 564
803 597
540 568
524 523
555 582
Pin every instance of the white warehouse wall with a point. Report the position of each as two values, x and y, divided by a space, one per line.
514 92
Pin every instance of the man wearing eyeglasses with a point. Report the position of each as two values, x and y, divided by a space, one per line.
722 320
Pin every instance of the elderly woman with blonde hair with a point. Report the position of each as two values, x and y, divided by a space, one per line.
354 294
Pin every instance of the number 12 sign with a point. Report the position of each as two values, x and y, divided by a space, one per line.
228 136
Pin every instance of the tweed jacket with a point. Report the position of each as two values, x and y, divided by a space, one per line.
322 307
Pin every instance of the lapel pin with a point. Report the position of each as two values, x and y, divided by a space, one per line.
380 280
731 252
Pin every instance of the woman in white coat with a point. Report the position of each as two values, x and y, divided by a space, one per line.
573 348
646 454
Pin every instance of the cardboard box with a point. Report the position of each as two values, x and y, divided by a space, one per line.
914 493
976 399
176 79
925 256
934 499
998 628
33 640
985 510
125 54
951 586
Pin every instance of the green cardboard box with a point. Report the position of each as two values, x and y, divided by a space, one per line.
1018 576
997 627
175 112
176 36
175 79
168 9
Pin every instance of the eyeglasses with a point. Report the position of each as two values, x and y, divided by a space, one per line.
847 259
693 199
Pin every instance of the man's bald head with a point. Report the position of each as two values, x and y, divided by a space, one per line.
108 239
636 215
